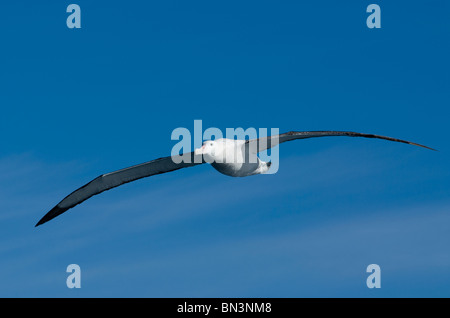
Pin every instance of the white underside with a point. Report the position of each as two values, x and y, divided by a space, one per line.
229 157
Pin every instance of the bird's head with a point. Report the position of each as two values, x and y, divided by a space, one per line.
208 150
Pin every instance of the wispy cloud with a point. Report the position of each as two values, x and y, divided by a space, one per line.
195 232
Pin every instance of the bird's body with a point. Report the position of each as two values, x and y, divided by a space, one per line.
241 169
232 158
236 158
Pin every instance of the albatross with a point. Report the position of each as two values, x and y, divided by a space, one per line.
235 158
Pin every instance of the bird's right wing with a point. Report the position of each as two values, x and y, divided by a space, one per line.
117 178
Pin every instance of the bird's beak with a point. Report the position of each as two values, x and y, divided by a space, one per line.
199 151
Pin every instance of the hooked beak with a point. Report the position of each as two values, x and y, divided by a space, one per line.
199 151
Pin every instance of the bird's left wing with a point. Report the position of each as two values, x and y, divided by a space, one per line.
117 178
264 143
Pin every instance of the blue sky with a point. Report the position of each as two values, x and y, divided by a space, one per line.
79 103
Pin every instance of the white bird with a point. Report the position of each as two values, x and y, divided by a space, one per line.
236 158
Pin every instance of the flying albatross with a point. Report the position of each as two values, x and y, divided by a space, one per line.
236 158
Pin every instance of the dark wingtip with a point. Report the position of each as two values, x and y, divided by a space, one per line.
53 213
415 144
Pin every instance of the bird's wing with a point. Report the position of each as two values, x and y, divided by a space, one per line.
117 178
265 143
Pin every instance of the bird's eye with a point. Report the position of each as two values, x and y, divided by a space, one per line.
211 144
